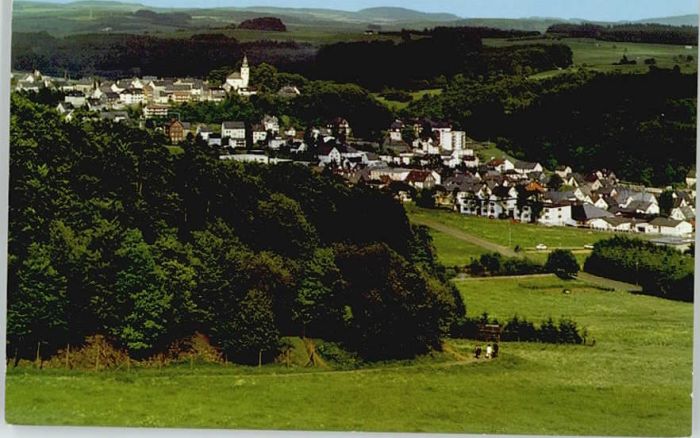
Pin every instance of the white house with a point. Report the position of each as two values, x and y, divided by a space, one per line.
131 96
502 165
684 213
235 131
259 134
75 98
330 155
671 227
563 171
556 215
271 123
204 131
525 167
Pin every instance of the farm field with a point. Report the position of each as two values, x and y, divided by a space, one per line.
600 55
635 381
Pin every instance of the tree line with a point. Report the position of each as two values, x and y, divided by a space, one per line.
111 235
661 271
519 329
629 32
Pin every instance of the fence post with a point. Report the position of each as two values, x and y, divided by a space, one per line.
68 357
97 358
38 352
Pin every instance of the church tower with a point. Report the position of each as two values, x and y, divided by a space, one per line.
245 72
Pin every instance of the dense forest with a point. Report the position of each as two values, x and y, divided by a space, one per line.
124 55
631 33
416 63
375 64
642 126
110 234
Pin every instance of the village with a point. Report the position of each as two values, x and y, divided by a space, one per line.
417 155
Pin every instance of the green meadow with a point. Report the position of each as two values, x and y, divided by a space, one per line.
508 234
635 380
601 55
395 105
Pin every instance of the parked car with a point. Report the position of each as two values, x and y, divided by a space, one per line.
541 247
589 246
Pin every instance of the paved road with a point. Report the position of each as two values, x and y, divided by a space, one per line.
461 235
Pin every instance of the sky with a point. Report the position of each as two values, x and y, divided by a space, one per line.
603 10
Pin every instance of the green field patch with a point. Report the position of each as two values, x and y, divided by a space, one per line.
601 55
453 252
509 234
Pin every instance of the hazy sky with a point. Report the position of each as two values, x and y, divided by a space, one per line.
611 10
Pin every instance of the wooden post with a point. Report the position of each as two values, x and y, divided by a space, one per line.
97 358
68 357
38 351
128 363
259 358
191 361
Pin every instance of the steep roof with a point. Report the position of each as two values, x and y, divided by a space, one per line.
665 222
586 212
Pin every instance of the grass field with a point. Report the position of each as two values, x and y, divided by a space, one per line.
398 106
635 380
452 252
508 234
600 55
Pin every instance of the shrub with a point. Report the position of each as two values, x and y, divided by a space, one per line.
495 264
397 95
95 354
521 330
563 263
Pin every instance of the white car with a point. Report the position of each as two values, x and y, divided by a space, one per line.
589 246
541 247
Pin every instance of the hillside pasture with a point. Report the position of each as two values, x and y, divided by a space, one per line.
601 55
635 380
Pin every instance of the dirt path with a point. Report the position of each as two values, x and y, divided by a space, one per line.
463 277
606 282
461 235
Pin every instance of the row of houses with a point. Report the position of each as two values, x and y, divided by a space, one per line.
157 95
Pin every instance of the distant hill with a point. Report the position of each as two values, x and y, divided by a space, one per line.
680 20
87 16
403 14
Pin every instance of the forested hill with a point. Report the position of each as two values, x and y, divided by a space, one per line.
642 126
111 234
